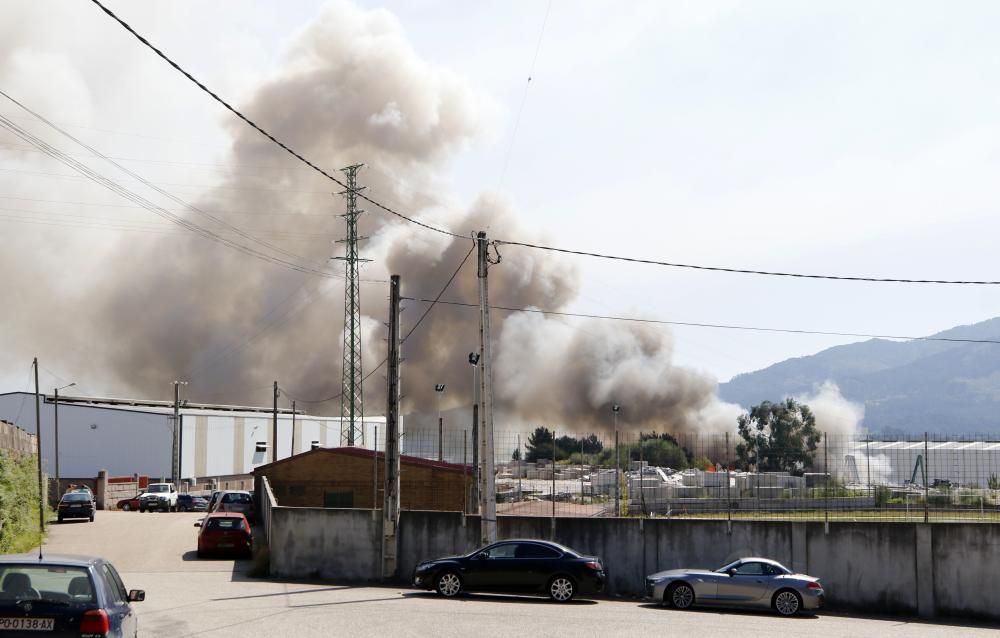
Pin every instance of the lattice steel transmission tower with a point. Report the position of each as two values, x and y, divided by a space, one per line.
352 407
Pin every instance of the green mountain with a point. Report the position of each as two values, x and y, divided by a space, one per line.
906 387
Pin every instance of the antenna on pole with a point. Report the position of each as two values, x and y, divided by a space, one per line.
351 399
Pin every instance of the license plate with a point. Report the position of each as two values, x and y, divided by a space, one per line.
27 624
76 505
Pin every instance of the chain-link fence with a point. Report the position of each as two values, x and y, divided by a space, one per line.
725 477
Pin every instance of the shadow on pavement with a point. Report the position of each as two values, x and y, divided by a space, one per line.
500 598
728 611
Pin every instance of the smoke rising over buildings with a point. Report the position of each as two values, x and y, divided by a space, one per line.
351 90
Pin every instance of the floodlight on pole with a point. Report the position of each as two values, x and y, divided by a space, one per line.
439 390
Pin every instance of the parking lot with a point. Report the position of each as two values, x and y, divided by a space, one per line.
186 596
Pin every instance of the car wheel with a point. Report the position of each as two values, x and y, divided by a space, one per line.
680 595
561 589
91 518
787 602
126 507
449 584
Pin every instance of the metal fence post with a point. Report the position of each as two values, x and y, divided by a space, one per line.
826 468
926 491
729 497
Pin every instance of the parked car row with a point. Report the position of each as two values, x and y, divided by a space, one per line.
561 573
143 503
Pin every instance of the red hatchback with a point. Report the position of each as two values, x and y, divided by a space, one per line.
225 533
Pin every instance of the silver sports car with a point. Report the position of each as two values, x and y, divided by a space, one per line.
747 582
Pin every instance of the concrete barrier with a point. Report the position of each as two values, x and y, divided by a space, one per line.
876 567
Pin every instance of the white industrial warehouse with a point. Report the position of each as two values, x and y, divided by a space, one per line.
128 437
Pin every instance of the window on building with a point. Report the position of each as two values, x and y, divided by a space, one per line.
338 499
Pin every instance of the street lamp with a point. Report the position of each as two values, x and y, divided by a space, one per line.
55 407
439 390
615 409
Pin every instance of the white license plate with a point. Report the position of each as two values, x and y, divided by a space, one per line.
27 624
76 505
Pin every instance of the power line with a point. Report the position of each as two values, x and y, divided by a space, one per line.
263 132
449 233
117 188
410 332
705 325
161 191
654 262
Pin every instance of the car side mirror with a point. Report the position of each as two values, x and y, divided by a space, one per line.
482 556
731 571
198 524
136 595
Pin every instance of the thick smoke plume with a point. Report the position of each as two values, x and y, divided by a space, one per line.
353 91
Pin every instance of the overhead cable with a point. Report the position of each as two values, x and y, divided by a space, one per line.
705 325
411 330
263 132
449 233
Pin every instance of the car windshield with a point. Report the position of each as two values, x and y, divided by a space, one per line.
157 488
236 497
53 583
78 497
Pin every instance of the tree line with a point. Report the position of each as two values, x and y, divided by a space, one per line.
772 437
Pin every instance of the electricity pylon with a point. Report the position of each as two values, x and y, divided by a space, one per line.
352 407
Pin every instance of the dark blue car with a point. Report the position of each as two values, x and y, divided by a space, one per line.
62 595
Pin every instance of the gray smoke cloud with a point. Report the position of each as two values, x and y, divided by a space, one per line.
353 90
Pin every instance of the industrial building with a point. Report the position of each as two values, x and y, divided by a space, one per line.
128 437
352 477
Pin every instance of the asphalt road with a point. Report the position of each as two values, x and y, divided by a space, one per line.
186 596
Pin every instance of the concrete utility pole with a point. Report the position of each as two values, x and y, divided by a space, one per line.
55 409
474 495
38 447
615 409
274 426
175 457
390 506
293 429
487 488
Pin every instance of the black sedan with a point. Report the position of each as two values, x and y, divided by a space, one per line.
76 505
514 566
64 596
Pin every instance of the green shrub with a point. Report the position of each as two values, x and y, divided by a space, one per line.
18 503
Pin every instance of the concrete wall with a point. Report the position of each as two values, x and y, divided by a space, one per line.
322 543
895 568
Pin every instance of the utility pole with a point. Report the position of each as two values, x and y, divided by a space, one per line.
274 426
390 507
474 495
175 457
38 446
55 409
351 399
487 488
293 429
615 409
